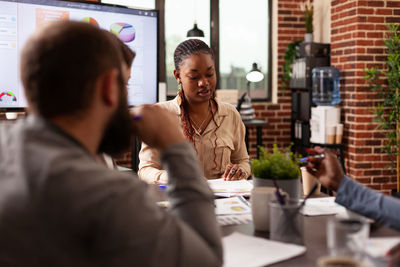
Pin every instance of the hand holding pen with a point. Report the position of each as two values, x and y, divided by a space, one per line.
317 156
327 168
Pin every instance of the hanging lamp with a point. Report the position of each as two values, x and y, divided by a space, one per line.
195 32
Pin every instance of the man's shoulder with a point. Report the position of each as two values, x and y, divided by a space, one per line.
45 154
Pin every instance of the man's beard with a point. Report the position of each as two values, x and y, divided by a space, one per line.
118 135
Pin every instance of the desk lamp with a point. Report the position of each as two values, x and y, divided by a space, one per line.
253 76
246 109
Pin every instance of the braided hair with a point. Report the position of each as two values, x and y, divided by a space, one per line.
183 51
188 48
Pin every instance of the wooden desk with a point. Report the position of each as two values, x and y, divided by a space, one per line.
314 235
314 239
258 124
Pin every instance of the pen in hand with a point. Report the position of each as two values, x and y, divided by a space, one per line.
318 156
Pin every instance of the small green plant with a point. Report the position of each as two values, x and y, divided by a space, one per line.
308 10
278 165
289 57
388 111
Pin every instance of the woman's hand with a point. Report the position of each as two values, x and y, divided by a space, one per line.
233 172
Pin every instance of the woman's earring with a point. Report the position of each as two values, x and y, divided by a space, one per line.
179 98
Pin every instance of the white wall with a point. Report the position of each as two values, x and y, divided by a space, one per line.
322 21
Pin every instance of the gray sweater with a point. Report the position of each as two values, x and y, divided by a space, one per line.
369 203
59 207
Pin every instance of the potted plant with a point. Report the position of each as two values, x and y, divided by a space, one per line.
290 56
388 111
308 10
281 166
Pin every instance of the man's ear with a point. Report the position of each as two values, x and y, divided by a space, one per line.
109 89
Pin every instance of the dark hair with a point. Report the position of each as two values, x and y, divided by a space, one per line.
127 54
60 64
188 48
182 51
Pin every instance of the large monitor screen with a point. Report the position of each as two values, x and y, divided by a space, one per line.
136 28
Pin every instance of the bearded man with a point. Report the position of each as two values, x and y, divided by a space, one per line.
58 205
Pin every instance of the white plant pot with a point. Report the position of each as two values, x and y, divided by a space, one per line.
308 38
290 186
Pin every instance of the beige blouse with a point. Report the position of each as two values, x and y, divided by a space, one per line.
229 140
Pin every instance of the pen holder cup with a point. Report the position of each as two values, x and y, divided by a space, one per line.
286 222
260 198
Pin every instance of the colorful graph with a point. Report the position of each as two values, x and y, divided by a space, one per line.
45 16
124 31
8 93
91 20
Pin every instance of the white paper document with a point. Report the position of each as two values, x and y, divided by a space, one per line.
230 188
243 250
232 211
322 206
378 246
232 205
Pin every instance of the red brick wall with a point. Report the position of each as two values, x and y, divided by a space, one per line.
290 28
357 31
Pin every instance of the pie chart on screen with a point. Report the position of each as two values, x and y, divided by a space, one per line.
7 95
124 31
91 20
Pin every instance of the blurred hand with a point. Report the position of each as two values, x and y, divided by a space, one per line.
233 172
327 170
156 126
394 254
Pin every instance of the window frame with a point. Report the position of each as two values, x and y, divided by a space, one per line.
214 41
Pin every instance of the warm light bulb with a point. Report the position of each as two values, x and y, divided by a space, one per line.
254 76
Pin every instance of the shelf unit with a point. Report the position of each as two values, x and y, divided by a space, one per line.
311 55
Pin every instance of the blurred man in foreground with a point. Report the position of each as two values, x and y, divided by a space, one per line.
58 206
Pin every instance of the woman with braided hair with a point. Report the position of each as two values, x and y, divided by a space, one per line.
214 128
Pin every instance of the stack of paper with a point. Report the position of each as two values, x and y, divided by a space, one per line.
243 250
224 220
231 206
230 188
229 211
233 210
322 206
